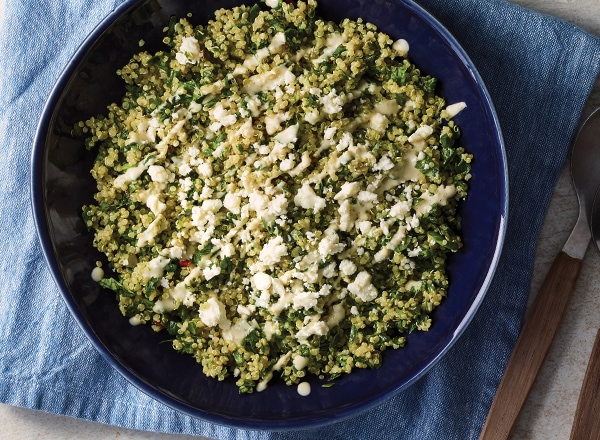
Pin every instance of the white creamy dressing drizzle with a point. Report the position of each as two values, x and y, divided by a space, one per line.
304 388
283 360
135 172
269 80
155 228
401 46
331 44
97 274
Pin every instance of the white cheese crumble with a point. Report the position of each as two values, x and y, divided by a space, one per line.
318 328
347 267
332 103
189 51
262 281
307 198
212 313
453 109
362 288
272 252
423 132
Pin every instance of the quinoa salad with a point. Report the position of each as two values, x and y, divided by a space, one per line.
278 193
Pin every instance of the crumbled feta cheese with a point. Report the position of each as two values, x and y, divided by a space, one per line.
332 103
211 272
305 300
258 202
414 252
185 169
364 226
362 288
158 174
189 51
277 206
262 281
378 122
400 209
211 205
330 270
367 197
422 133
212 312
347 267
286 164
318 328
453 109
186 184
348 189
384 164
347 216
223 116
189 299
204 169
307 198
272 252
330 245
312 117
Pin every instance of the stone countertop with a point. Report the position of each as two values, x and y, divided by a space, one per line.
549 411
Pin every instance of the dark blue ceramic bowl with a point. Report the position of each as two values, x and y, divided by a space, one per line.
61 184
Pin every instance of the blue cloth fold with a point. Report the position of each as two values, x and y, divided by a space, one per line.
539 71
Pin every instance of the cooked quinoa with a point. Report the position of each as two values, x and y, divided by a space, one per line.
278 193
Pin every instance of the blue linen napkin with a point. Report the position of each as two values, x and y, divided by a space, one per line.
539 72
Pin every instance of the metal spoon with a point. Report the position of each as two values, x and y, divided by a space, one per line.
550 304
586 425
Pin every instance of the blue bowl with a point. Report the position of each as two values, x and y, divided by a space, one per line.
61 184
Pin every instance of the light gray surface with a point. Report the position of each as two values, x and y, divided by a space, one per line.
548 413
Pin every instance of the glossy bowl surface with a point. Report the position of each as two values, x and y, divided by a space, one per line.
61 184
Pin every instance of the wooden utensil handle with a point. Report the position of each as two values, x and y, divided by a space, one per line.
586 425
533 344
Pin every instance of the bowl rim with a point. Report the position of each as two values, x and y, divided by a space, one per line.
37 177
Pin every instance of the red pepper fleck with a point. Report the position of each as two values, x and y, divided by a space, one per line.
157 324
185 263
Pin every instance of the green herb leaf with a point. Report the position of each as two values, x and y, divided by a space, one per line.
115 286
